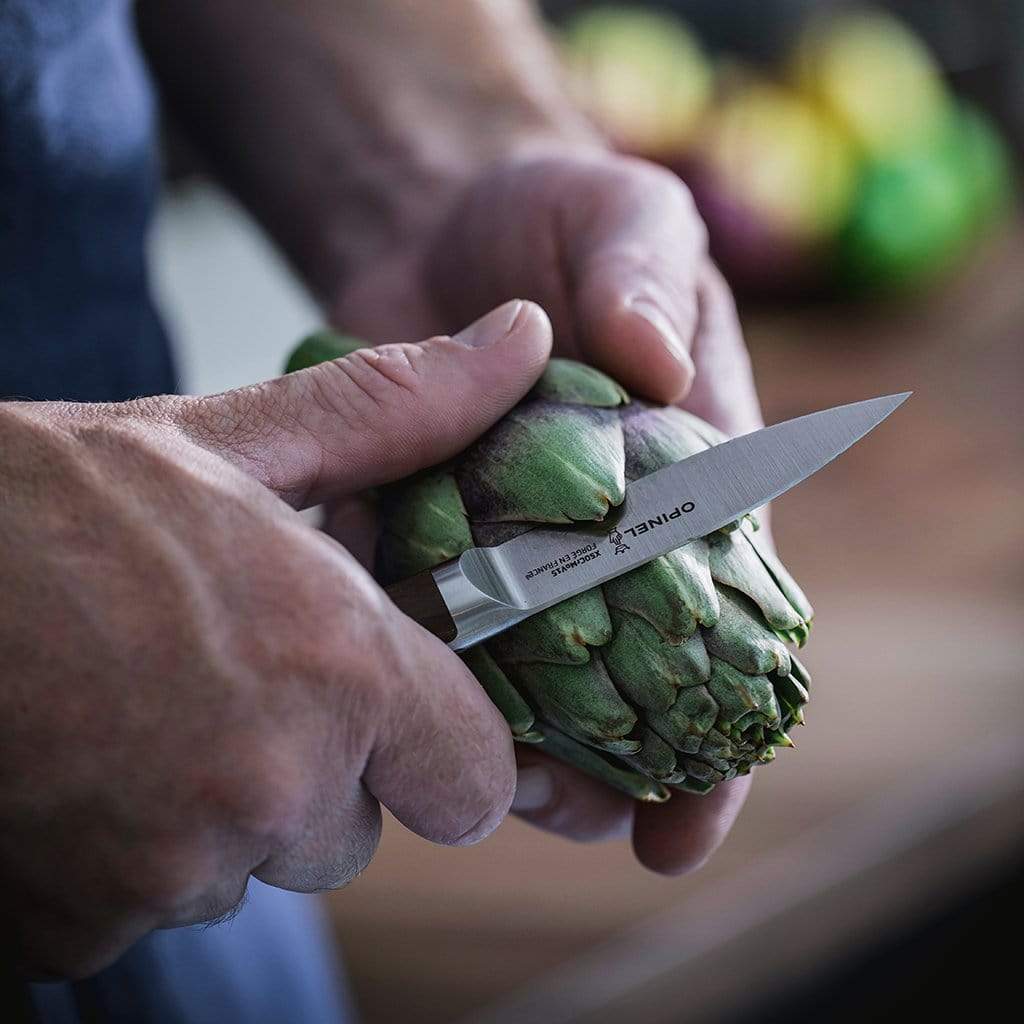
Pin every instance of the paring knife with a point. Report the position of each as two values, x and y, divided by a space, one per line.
486 590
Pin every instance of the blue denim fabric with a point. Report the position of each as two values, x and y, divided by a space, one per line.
272 964
78 178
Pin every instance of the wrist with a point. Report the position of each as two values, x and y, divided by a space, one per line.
432 130
413 199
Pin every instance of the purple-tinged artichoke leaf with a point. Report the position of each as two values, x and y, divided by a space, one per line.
565 380
545 463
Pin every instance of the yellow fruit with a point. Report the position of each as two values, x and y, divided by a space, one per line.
641 75
782 157
876 77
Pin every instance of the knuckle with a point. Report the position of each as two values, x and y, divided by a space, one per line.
658 185
668 185
379 378
268 793
220 904
238 418
334 851
163 879
371 389
343 865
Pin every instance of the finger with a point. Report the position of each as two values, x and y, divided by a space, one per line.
340 837
425 741
723 391
558 798
442 760
681 834
635 266
378 414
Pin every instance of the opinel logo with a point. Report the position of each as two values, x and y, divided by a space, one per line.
615 537
647 525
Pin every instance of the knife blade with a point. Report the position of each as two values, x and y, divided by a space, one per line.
486 590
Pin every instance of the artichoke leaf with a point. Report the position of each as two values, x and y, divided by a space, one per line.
735 563
740 638
692 785
781 574
633 784
545 463
562 634
426 525
674 593
689 719
572 383
739 694
582 701
648 670
502 693
656 437
655 757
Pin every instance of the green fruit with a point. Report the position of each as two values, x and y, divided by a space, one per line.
676 674
641 76
982 159
916 213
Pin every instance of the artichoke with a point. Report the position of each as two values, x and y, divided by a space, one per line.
674 675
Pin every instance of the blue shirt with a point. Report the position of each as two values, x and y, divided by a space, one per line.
78 178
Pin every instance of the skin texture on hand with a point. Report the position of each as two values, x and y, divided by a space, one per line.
196 684
421 163
613 249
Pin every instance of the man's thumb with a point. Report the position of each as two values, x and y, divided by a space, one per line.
379 413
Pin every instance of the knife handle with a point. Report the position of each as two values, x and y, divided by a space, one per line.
420 599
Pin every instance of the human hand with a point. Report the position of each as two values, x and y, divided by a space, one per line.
196 684
615 252
612 248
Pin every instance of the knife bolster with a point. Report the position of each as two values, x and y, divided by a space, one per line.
419 598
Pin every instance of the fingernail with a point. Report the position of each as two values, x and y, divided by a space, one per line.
493 327
656 317
535 789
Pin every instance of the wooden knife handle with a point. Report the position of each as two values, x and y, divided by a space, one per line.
419 598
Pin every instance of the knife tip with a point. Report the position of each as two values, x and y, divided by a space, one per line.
894 401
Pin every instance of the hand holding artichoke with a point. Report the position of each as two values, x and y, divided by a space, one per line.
676 674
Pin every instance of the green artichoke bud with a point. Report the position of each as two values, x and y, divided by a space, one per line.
676 674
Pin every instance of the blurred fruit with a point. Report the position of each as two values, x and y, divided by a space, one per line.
640 74
862 170
876 77
917 212
773 178
978 150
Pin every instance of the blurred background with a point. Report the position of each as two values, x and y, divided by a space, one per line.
857 170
